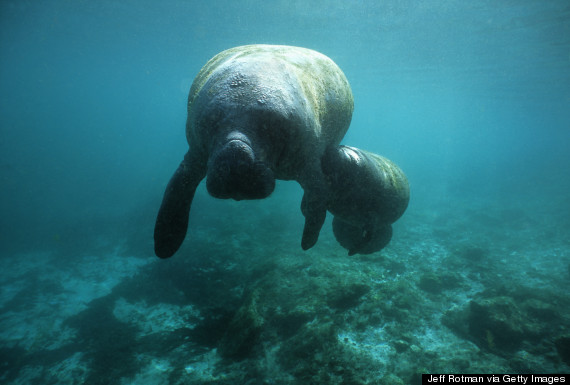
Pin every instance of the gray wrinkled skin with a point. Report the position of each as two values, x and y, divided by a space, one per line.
367 193
256 113
290 102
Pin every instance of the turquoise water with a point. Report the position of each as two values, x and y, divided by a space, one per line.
470 99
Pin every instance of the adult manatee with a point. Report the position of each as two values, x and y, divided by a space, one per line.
258 113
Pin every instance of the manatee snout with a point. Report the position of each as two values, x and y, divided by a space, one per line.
234 172
361 239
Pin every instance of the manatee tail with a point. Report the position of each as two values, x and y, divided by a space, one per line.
172 220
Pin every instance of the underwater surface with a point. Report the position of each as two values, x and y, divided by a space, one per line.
470 98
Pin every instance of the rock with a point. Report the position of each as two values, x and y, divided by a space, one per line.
563 348
401 346
457 319
437 283
541 310
241 337
391 379
472 252
500 325
347 296
496 324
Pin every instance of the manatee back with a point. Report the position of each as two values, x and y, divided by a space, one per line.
302 92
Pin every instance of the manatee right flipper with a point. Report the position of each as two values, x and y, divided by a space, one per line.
172 220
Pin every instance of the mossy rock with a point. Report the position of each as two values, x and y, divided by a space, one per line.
437 283
496 324
286 324
243 334
315 355
541 310
395 300
391 379
500 324
347 296
400 346
310 350
472 252
563 348
457 319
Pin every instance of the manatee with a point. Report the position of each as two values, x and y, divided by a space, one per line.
367 193
258 113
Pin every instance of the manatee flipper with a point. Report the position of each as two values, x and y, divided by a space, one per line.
361 239
172 220
315 213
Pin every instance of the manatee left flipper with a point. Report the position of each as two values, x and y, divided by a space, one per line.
172 220
366 239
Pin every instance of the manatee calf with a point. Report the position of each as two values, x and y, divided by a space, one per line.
367 193
257 113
